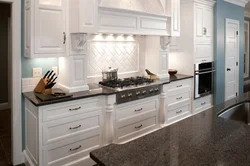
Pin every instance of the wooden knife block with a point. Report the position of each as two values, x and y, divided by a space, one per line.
40 87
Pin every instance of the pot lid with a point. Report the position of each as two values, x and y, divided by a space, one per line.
110 69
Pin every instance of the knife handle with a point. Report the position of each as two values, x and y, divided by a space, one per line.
50 74
46 74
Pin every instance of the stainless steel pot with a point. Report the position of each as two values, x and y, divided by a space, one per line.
110 74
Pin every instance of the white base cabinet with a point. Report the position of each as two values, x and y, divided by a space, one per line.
178 103
63 134
203 103
135 119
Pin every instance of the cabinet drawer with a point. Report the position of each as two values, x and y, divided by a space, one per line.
57 111
130 112
65 128
71 150
203 103
178 112
177 85
178 97
136 129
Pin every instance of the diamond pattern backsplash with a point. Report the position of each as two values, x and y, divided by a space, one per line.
121 55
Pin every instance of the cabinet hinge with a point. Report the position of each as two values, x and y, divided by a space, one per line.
237 63
237 32
236 94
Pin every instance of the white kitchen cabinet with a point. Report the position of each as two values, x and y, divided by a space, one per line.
136 118
178 100
196 39
173 10
83 16
203 103
64 133
45 28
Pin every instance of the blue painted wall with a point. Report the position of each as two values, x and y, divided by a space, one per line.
248 19
225 10
28 64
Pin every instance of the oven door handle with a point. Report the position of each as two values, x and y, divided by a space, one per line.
199 73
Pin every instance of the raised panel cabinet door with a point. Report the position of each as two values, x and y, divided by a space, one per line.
198 23
207 25
88 16
79 68
50 23
175 20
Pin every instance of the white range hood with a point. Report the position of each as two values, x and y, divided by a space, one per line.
142 17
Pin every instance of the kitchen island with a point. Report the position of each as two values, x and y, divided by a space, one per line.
203 139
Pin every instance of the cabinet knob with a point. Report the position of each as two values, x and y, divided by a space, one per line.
204 31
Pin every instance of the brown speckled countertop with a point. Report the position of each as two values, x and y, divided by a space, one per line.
94 90
200 140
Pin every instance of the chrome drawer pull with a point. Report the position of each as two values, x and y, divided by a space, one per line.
178 86
73 128
179 111
203 103
75 148
137 127
74 109
178 98
138 110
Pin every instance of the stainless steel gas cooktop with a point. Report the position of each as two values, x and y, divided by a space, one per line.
133 88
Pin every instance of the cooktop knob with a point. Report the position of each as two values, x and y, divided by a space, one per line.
123 96
138 93
156 89
129 94
144 92
151 90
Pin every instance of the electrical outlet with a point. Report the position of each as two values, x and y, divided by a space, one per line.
54 68
37 72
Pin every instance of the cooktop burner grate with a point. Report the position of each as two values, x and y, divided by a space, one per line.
127 82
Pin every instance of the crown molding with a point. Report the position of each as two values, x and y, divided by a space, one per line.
204 2
241 3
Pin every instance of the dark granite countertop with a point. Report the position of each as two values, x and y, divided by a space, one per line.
94 90
200 140
178 77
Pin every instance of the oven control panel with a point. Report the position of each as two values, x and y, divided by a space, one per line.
137 93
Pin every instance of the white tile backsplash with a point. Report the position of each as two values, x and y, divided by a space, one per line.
118 54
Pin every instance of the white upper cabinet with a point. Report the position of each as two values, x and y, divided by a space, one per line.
45 25
83 16
204 24
155 17
173 10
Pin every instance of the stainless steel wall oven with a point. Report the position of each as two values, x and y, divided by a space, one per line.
203 79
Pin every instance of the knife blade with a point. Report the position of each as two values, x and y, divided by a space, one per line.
46 74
